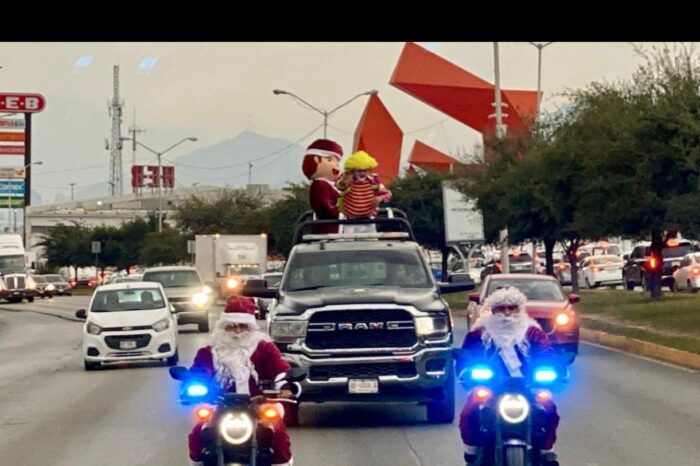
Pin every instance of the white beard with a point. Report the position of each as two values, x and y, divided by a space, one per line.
231 353
507 333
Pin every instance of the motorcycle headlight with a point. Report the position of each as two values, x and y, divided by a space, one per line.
236 428
513 408
431 325
161 325
287 330
50 287
232 283
200 299
93 329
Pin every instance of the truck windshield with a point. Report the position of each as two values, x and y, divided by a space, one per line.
313 270
12 262
174 279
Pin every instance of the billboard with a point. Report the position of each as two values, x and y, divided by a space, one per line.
12 172
463 221
11 188
147 176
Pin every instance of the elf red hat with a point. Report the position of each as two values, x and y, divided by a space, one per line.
239 310
324 148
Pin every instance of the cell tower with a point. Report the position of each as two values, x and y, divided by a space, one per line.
116 185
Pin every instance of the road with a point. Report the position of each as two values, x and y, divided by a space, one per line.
619 410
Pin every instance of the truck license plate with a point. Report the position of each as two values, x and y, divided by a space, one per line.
127 344
363 386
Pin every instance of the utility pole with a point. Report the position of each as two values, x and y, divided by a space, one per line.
133 130
72 198
250 171
500 132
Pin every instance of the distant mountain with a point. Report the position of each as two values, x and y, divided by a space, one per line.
275 162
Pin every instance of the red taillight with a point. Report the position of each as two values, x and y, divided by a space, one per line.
562 266
204 413
596 269
499 266
653 263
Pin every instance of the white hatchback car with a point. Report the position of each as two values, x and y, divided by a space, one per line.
130 321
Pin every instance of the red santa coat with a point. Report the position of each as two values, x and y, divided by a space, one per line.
469 417
323 198
268 363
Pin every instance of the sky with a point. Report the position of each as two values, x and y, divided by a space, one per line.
214 91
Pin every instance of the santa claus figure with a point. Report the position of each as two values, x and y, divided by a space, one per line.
240 354
322 166
505 331
362 191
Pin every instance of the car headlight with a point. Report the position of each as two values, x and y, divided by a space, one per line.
50 287
236 428
93 329
200 299
562 319
287 330
231 283
513 408
207 290
431 325
161 325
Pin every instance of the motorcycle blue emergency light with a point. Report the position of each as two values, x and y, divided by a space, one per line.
196 390
481 373
545 374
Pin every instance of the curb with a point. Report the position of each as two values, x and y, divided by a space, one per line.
642 348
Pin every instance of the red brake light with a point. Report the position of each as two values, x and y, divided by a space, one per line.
696 270
652 263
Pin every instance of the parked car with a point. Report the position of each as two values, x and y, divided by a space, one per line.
595 271
636 265
546 303
62 287
562 269
135 277
186 291
44 288
687 275
128 322
519 263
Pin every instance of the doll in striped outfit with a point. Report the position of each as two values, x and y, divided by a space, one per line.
362 191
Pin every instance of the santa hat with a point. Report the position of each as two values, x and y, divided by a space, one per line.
239 310
324 148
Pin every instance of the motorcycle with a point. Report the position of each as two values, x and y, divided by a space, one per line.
511 410
238 429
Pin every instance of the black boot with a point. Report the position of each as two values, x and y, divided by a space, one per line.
549 458
470 459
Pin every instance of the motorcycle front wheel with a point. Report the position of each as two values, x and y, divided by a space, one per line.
514 456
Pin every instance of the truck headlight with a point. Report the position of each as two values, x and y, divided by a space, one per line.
31 284
231 283
431 325
161 325
200 299
50 287
287 330
207 289
93 329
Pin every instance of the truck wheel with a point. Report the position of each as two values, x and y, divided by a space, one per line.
291 414
443 411
204 326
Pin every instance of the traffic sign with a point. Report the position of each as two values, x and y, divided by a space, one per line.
12 150
11 202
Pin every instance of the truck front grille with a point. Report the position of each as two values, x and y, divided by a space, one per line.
363 371
362 328
15 282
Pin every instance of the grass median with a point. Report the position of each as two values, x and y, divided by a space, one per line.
672 321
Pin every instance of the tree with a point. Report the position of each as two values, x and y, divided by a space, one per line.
67 245
167 247
282 216
232 212
420 196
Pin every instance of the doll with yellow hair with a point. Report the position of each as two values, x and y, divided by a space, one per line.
362 191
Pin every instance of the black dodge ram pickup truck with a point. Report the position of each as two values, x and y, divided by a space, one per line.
363 315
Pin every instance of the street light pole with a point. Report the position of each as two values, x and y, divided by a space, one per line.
323 112
71 191
160 176
539 46
27 185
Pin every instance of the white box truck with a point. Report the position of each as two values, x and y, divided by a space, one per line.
226 262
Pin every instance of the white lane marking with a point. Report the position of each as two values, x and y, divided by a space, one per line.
646 358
